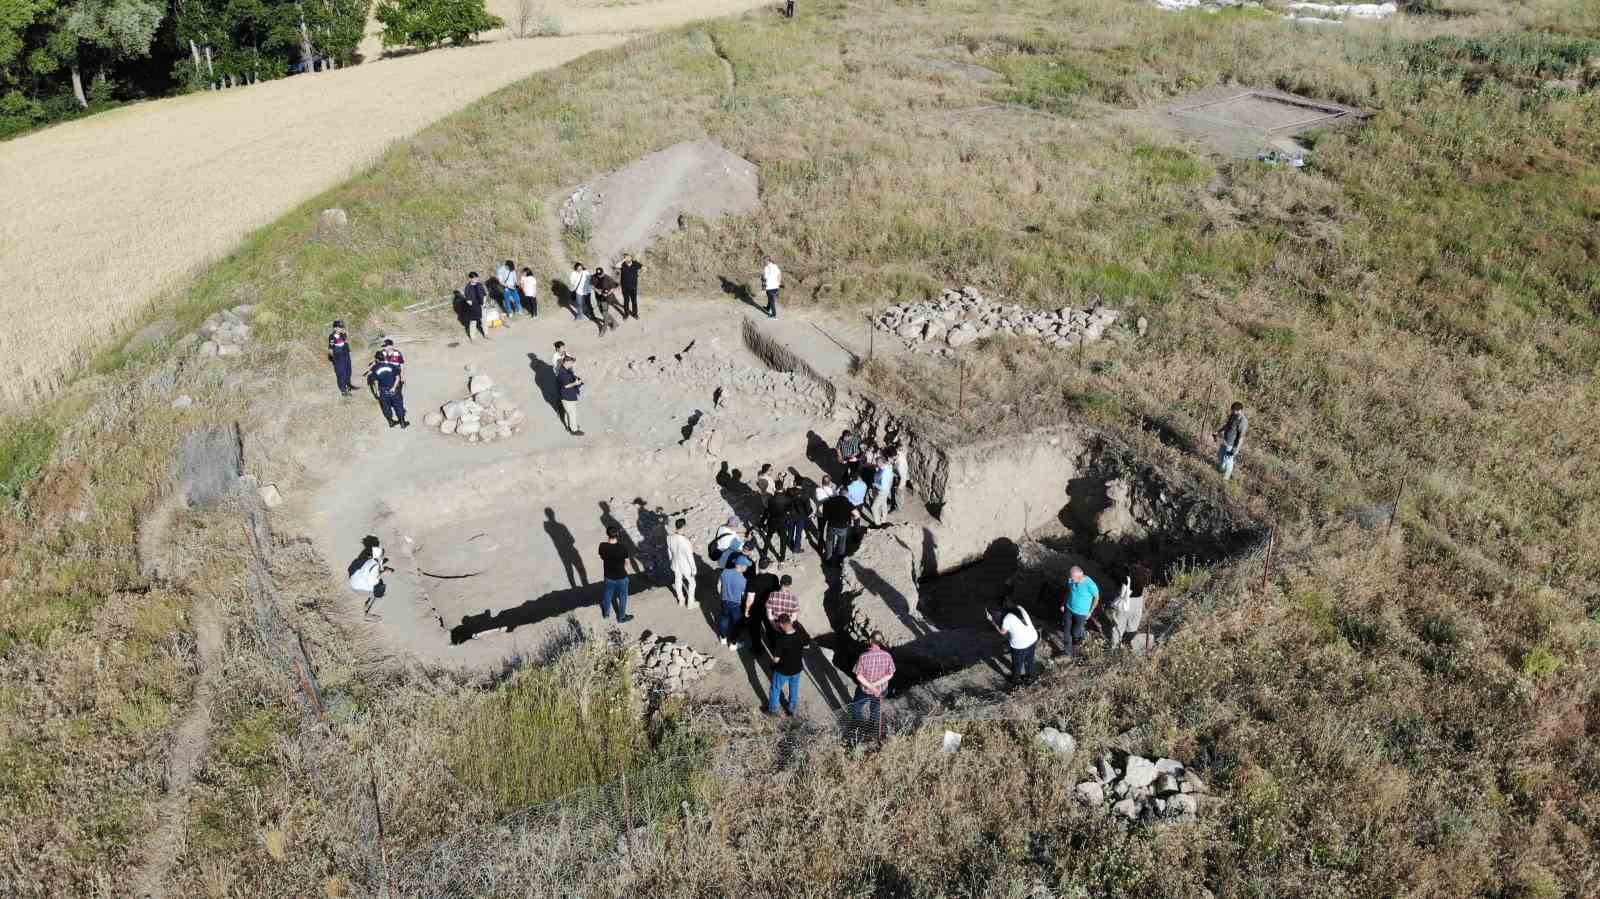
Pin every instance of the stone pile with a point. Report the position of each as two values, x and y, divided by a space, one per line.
485 415
962 316
226 333
779 391
666 665
1139 789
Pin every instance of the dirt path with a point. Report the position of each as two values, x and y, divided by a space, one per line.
189 744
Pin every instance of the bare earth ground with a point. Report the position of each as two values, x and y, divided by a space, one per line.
509 531
149 193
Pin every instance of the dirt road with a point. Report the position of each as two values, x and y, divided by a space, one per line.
151 192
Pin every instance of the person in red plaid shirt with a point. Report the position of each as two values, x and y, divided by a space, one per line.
780 602
873 672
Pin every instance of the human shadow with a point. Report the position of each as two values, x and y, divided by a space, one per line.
827 678
740 292
609 521
544 380
894 599
566 549
688 426
551 605
561 292
820 454
651 525
1087 497
740 496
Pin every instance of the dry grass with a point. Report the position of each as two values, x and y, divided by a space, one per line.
117 208
1411 716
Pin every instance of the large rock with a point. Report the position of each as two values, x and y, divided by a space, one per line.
1061 744
1166 785
449 425
432 419
478 384
333 220
270 497
1139 772
469 427
1183 805
1126 808
961 335
1091 793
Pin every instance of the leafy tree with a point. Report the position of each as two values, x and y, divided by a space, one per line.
104 31
428 23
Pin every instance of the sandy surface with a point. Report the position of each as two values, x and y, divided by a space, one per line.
509 531
149 193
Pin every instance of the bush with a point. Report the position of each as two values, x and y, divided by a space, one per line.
428 23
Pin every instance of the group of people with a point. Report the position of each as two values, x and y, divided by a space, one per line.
385 375
519 294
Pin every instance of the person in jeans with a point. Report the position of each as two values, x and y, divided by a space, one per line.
628 273
794 524
848 452
775 523
1229 438
568 382
387 383
838 516
1082 598
732 588
1021 636
528 285
614 565
510 296
582 291
771 282
882 488
680 557
873 672
339 355
787 654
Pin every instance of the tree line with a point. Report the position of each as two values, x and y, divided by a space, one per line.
63 58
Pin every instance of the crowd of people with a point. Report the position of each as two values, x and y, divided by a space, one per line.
759 610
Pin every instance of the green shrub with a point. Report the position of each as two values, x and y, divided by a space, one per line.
428 23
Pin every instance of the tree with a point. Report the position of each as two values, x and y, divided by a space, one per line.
428 23
112 30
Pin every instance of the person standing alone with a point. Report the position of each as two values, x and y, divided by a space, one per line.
680 556
788 661
771 282
1022 638
472 306
1083 597
614 568
582 290
1229 438
529 287
339 355
873 672
629 272
568 382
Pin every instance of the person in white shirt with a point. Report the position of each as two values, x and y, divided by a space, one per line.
560 354
510 295
582 290
680 555
366 575
1023 638
528 285
824 490
771 282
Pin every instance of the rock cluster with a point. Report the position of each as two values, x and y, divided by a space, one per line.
484 415
666 665
779 391
1139 789
226 333
1335 13
963 316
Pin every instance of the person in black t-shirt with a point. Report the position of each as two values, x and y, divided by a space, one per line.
629 272
614 564
470 306
780 507
788 662
838 516
758 587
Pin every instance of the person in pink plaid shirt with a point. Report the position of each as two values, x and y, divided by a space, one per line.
780 602
873 672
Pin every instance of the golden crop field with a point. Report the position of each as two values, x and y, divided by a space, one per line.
102 214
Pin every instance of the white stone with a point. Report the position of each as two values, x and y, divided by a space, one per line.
228 349
1143 324
1139 772
270 496
449 425
1091 793
468 427
479 383
1170 766
1061 744
209 348
432 419
183 401
952 741
1182 804
961 335
1166 785
333 219
1126 808
504 428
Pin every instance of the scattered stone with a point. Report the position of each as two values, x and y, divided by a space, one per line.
667 666
333 220
1091 793
208 348
1126 808
484 416
1166 785
478 384
229 349
1182 804
961 317
433 419
1061 744
184 401
952 741
270 496
1142 324
1139 772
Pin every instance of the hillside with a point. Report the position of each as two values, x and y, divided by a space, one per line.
1397 699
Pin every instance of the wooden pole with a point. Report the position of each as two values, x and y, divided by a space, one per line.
1399 493
1081 339
961 388
383 846
1266 563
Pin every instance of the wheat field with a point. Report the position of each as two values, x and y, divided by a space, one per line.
103 214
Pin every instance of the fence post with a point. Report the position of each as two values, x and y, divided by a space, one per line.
872 337
1394 511
1266 563
1081 338
961 387
383 845
627 820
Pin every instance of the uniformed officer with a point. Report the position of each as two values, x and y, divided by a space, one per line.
391 353
339 355
387 382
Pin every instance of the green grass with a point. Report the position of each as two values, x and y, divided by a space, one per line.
24 450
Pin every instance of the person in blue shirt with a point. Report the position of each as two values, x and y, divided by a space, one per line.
882 487
733 590
856 490
1082 598
339 355
387 383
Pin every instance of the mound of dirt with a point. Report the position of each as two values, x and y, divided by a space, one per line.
628 209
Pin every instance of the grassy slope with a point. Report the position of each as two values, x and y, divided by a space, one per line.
1411 716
